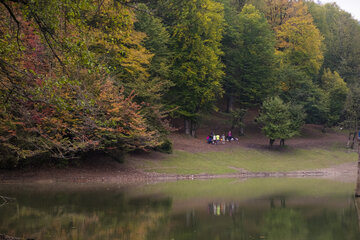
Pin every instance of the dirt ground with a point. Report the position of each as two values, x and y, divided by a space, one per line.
103 169
311 136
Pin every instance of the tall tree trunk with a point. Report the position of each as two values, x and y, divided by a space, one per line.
241 131
282 142
271 142
187 126
193 129
230 103
323 130
349 140
356 131
353 141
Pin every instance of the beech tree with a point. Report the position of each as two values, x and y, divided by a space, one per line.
300 42
342 39
60 94
280 120
352 114
249 57
337 91
279 11
298 88
157 41
196 31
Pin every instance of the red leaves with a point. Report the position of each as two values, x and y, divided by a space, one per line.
35 57
121 114
53 96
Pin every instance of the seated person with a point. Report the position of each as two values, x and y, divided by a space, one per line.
209 139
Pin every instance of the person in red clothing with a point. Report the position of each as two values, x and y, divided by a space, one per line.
229 136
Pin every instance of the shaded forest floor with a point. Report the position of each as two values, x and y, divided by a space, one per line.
311 136
98 168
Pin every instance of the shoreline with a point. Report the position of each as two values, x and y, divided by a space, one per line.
344 172
103 169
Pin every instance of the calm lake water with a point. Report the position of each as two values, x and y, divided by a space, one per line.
277 209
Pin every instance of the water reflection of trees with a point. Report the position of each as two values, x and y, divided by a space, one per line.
284 223
357 191
114 215
280 220
85 216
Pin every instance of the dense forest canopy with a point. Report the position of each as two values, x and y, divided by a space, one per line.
91 75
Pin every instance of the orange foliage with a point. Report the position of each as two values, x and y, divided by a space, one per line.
55 99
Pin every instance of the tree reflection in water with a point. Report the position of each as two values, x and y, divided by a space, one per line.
282 221
85 215
117 214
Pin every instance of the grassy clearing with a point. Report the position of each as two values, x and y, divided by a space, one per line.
251 188
229 161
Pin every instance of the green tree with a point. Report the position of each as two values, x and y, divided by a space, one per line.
237 120
342 34
279 121
196 31
157 41
254 59
249 56
337 90
352 114
229 42
297 88
298 116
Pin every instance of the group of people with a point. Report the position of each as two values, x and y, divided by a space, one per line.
215 138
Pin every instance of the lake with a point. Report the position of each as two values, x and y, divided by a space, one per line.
268 208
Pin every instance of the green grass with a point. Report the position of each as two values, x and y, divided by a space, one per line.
229 161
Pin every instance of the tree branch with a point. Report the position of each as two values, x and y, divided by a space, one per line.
44 32
16 21
129 5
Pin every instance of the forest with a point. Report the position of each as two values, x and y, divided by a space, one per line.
111 75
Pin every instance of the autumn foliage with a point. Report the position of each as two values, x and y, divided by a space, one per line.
103 75
57 97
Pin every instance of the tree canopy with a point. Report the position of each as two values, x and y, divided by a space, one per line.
249 56
80 76
280 120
